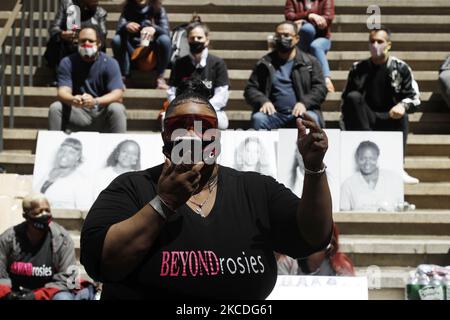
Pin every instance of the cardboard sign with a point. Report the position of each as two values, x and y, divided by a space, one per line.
319 288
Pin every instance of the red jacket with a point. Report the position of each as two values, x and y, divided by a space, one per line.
295 10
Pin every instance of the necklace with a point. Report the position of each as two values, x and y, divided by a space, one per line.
211 185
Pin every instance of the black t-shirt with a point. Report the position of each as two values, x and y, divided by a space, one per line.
379 90
227 255
214 74
33 268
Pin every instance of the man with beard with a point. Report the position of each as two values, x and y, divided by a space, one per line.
285 84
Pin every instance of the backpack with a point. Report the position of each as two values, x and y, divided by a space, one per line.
180 44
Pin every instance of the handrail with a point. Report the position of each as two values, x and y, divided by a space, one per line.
9 26
12 18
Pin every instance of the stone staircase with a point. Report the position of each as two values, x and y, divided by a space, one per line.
395 242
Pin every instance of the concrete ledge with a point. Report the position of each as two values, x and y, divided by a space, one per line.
395 244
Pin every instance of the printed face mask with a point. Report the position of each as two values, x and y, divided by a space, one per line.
87 50
378 50
41 221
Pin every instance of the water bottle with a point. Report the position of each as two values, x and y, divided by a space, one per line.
73 22
417 282
405 206
411 286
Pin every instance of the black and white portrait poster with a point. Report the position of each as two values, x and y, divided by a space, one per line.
63 167
371 171
291 170
120 153
250 150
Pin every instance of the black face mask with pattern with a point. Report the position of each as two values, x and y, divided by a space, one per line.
40 222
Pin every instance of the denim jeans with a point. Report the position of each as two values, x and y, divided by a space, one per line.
318 47
87 293
261 120
123 46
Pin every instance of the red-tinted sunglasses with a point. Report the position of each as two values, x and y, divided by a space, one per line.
196 122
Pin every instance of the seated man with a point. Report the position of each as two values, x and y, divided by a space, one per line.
285 84
148 19
72 13
90 89
37 257
380 92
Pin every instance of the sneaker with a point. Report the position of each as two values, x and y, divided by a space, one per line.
329 85
408 179
161 84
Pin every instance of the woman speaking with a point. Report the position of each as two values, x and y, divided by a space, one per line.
203 231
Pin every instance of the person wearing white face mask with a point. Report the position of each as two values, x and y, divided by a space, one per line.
90 89
380 92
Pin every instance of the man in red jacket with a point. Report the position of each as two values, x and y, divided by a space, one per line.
36 256
314 19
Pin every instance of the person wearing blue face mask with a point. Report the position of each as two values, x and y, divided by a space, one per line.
285 84
36 255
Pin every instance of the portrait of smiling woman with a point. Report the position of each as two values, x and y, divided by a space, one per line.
64 186
125 157
371 188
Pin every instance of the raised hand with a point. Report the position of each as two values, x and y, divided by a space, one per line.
312 145
177 183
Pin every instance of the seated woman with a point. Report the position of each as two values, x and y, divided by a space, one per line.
200 64
329 262
314 18
141 17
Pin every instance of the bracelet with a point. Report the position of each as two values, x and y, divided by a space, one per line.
315 173
161 207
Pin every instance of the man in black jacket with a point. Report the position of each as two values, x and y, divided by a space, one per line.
285 84
380 92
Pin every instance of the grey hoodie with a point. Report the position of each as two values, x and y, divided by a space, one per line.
63 256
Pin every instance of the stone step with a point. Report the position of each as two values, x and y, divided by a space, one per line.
420 222
382 251
138 120
431 23
341 41
42 76
271 6
152 99
431 145
246 59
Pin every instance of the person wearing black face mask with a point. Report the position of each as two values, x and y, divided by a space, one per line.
36 255
285 84
202 65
